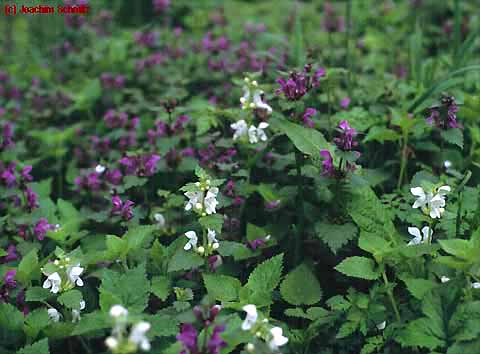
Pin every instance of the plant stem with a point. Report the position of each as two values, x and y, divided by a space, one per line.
347 45
390 296
403 161
300 206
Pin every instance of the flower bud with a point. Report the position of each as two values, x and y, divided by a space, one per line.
201 250
250 347
111 343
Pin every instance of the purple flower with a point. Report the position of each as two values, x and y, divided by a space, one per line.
7 136
299 83
41 228
345 140
11 255
149 164
345 102
327 164
307 117
31 196
214 262
272 204
130 163
256 243
114 176
8 175
445 115
188 336
122 209
25 173
179 124
216 343
188 152
161 5
9 279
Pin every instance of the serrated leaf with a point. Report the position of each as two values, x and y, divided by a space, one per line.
358 267
419 287
266 276
71 299
10 318
453 136
214 222
301 287
40 347
92 322
222 287
35 322
130 289
161 287
183 260
37 293
335 236
135 237
307 140
28 268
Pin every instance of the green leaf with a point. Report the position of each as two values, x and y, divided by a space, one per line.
381 134
183 260
10 318
453 136
40 347
71 299
266 276
35 322
358 267
37 293
92 322
136 236
222 287
419 287
162 325
457 247
28 268
301 287
375 245
336 236
214 222
130 289
161 287
116 248
307 140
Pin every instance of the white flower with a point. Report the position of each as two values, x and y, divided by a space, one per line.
476 285
251 318
417 239
160 219
250 348
246 96
73 274
381 326
192 240
240 129
53 315
432 204
211 200
278 339
117 311
257 99
100 169
194 198
137 335
76 313
422 198
447 164
53 281
444 279
111 343
212 238
256 134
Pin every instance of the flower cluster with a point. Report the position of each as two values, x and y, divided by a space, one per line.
432 203
253 97
299 84
189 335
55 316
110 81
273 336
140 165
120 208
344 144
162 129
122 342
444 116
62 274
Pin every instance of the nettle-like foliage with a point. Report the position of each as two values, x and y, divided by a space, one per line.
215 177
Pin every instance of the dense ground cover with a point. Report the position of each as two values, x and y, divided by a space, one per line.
206 177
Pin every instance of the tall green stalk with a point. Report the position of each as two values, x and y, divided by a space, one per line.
391 297
347 47
403 161
299 234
